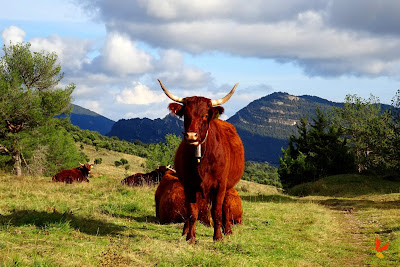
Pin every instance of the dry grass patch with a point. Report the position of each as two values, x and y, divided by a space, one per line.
107 167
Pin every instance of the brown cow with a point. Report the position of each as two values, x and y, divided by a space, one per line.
232 210
170 203
209 160
151 178
79 174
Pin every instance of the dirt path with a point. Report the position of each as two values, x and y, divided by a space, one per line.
353 236
350 230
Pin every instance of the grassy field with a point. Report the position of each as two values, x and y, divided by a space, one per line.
103 223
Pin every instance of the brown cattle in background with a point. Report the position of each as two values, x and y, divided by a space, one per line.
151 178
209 160
170 204
232 209
69 176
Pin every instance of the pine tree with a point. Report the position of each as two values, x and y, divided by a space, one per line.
319 150
370 131
29 97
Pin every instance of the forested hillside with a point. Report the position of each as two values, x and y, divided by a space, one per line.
146 130
264 125
89 120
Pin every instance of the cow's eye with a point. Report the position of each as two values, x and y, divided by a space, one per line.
205 117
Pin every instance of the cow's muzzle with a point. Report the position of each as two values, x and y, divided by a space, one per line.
191 137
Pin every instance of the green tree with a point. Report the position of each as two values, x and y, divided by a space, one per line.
319 150
29 98
163 154
370 131
261 173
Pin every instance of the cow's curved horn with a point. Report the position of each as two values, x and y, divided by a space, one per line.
226 98
174 98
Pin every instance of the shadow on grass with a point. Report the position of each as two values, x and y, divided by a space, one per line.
143 218
269 198
147 219
388 230
349 204
42 219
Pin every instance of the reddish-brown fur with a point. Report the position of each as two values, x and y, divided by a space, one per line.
140 179
232 210
79 174
170 203
221 165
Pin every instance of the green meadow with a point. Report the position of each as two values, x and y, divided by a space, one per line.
106 224
331 222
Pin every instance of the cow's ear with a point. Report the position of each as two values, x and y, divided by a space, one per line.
176 108
216 111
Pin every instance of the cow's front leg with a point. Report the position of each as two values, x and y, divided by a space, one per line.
193 213
186 227
216 213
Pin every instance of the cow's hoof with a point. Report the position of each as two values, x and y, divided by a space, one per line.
228 232
191 241
218 238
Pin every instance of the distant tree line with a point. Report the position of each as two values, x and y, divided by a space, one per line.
358 137
261 173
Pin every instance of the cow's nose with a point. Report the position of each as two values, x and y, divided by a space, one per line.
190 136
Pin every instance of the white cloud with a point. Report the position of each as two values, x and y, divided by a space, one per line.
173 71
308 33
12 34
121 56
71 52
92 105
139 94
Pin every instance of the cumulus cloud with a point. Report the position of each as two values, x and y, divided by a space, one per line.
326 38
121 56
71 52
139 94
12 34
172 70
92 105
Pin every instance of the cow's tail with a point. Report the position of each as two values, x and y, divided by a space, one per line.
55 178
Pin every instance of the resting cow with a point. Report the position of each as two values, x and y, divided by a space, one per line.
79 174
210 158
151 178
170 203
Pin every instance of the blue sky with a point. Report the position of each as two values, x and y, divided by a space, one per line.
114 51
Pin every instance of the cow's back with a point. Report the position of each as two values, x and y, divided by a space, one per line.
68 176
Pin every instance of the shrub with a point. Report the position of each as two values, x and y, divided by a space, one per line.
117 163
